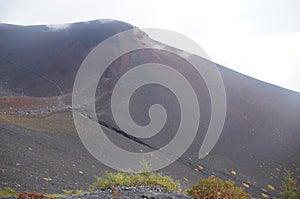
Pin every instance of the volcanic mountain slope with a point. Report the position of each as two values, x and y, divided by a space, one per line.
43 59
40 149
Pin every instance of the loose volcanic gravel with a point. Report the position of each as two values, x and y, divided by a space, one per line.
141 192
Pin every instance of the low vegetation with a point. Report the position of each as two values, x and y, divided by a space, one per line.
130 180
144 178
65 193
8 192
59 123
213 188
290 187
210 188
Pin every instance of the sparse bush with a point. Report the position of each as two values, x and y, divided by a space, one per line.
8 192
130 180
65 193
215 188
289 187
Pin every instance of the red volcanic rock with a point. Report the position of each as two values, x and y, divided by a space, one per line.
32 195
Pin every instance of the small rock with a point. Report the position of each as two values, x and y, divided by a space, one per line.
47 179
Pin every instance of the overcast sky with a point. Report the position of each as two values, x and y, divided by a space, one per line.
260 38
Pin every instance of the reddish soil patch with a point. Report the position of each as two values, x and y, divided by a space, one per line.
27 103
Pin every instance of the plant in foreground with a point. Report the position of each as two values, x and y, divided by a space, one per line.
8 192
130 179
215 188
66 193
289 187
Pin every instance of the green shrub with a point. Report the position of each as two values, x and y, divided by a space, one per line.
129 179
66 193
289 187
215 188
8 192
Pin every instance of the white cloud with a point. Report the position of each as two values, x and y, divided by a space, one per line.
273 58
58 26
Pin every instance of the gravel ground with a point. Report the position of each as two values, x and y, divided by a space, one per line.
130 192
143 192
